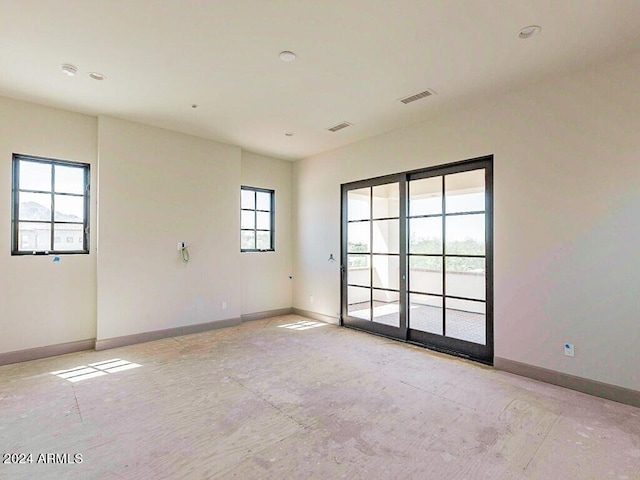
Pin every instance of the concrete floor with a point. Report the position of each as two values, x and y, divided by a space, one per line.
321 402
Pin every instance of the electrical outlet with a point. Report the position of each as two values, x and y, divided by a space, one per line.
224 305
569 351
311 298
182 245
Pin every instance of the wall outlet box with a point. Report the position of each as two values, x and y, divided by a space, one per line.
224 305
182 245
569 351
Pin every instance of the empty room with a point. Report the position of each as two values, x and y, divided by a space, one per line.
296 239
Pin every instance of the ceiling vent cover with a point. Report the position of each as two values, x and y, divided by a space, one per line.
339 126
417 96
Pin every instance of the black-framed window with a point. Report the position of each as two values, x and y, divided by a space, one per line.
257 219
50 206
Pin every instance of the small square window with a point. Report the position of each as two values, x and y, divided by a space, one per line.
50 203
257 219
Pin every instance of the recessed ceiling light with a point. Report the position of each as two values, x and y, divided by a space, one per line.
287 56
289 134
69 69
530 31
97 76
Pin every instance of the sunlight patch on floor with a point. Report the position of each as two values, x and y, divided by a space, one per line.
302 325
98 369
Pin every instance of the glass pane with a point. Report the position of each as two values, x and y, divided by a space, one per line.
263 201
464 192
67 237
247 219
425 274
425 235
35 176
425 196
358 237
68 209
386 201
358 204
359 302
34 206
386 271
34 237
263 220
425 313
69 179
247 199
465 234
466 320
466 277
358 272
386 236
386 307
247 240
263 240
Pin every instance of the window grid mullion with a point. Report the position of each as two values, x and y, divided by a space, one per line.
255 220
371 253
444 251
53 206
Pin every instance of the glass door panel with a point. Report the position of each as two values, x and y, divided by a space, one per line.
447 260
466 320
465 234
426 313
373 257
465 192
359 237
359 302
465 277
386 201
386 236
425 235
465 256
425 274
425 196
359 205
358 272
417 257
386 249
386 307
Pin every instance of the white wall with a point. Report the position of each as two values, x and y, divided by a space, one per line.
42 302
265 275
567 202
157 188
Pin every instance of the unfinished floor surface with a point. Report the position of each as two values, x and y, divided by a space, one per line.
278 399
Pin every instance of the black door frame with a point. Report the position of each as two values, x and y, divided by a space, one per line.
477 352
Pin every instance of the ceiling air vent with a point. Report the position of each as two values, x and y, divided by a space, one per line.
417 96
339 126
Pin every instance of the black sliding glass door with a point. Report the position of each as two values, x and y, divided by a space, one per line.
417 257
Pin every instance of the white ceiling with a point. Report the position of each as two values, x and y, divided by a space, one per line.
356 58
